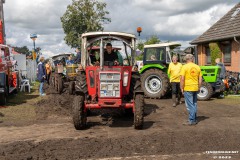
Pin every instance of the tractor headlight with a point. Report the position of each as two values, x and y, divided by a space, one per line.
125 78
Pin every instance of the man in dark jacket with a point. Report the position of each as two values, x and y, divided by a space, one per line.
78 57
41 75
110 56
222 73
223 69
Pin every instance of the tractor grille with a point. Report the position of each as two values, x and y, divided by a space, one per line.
110 84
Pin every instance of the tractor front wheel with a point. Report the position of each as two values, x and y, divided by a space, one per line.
205 92
60 84
139 111
79 116
71 87
155 83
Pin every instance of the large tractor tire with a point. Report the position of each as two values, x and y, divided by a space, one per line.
3 99
60 84
79 116
71 87
135 85
81 83
52 80
205 92
56 81
139 111
155 83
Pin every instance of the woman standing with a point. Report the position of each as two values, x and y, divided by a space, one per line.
48 71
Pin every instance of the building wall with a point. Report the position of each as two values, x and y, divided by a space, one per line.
235 56
235 61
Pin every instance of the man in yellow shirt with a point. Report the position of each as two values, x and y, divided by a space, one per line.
191 79
174 72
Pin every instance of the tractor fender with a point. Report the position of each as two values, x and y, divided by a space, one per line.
151 66
138 92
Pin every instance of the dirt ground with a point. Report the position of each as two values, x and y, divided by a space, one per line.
41 128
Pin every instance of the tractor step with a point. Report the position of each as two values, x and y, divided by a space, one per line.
12 89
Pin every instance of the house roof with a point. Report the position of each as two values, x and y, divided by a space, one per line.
225 28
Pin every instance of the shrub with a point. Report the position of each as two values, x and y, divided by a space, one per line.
215 52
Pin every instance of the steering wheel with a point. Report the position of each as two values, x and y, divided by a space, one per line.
109 63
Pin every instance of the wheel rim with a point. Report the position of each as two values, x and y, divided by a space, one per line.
203 92
153 84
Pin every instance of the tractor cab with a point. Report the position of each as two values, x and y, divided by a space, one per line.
159 53
64 72
107 83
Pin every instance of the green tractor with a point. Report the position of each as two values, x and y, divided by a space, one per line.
155 80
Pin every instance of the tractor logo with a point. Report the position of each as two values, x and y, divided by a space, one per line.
193 72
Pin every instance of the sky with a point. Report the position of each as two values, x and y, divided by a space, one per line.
170 20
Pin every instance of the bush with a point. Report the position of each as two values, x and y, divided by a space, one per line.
215 52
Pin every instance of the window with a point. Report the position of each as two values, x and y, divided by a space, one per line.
151 54
227 53
208 55
155 54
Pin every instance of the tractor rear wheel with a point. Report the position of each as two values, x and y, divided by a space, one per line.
3 99
56 81
139 111
60 84
71 87
205 92
155 83
79 116
52 81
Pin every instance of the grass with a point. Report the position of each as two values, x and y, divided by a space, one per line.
20 107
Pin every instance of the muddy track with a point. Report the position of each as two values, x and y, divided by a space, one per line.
52 135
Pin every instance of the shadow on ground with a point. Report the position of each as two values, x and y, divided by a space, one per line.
20 98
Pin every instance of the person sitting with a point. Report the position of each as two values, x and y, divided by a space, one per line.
153 58
69 61
110 57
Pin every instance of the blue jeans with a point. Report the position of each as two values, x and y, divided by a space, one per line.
191 104
41 88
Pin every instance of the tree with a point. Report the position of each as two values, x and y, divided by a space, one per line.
23 50
152 40
83 16
215 52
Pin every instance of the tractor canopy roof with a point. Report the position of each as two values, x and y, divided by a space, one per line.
90 39
94 36
162 45
60 56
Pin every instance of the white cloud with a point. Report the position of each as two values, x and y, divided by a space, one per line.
175 20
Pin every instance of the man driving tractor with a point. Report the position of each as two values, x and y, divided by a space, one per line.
110 55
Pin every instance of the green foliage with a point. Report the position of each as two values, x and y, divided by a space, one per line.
215 52
83 16
22 50
140 57
140 45
152 40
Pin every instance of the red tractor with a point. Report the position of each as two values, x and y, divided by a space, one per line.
9 79
103 84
